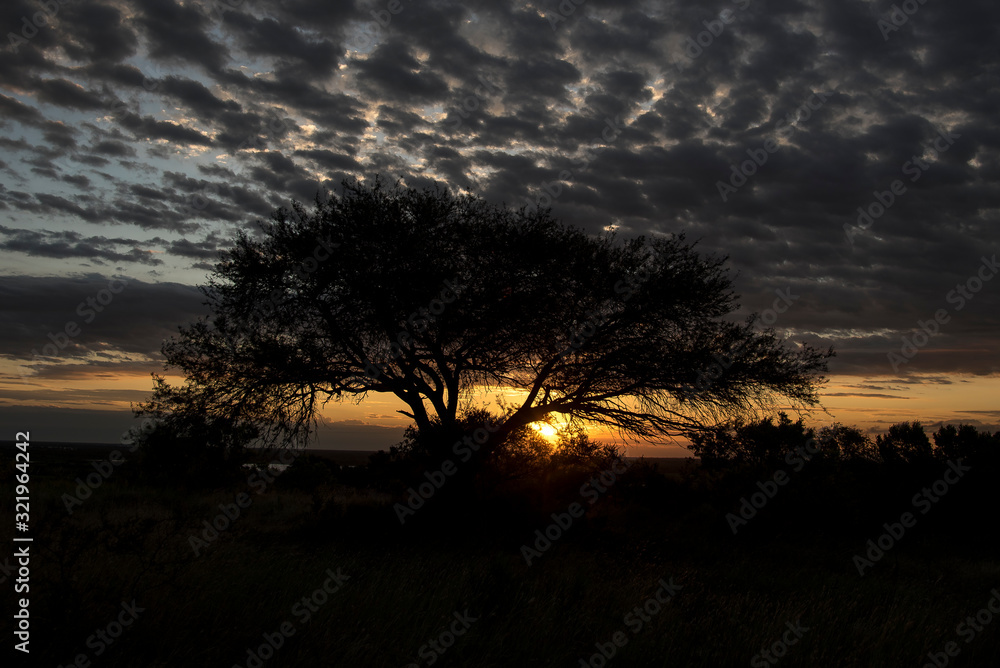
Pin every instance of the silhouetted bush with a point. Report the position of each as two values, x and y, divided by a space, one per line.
197 452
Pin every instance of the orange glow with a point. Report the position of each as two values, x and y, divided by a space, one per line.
547 431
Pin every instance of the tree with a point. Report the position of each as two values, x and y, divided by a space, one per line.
904 442
524 453
757 442
964 441
848 443
430 296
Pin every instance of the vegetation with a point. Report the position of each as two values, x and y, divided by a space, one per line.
792 562
432 297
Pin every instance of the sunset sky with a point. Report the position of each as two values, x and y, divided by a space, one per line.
139 135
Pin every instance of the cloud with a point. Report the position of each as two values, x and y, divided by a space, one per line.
67 244
866 395
356 435
183 122
132 321
67 425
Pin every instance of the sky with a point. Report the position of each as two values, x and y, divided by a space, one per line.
844 155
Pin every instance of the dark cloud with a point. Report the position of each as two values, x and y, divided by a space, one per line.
68 94
148 127
317 57
100 33
196 97
202 117
115 149
12 109
65 245
328 159
66 424
112 314
391 72
180 31
201 250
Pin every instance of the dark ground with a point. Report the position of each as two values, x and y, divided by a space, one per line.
791 567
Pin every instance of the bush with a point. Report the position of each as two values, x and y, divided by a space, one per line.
198 451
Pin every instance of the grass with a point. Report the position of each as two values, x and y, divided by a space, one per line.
130 540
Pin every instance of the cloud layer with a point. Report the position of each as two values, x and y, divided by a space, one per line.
141 134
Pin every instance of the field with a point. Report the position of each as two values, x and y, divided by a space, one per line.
453 587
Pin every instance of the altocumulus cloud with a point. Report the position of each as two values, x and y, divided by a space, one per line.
118 115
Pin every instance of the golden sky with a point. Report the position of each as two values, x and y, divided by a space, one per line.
872 403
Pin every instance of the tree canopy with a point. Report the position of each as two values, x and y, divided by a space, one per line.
433 297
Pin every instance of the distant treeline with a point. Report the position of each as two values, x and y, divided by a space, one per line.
770 441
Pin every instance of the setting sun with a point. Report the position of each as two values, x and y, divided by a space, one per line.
546 430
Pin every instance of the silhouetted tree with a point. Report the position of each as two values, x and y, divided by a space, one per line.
904 442
755 442
965 441
430 296
848 443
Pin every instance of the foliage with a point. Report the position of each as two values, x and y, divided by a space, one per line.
847 443
188 444
952 442
904 442
757 442
431 296
523 455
